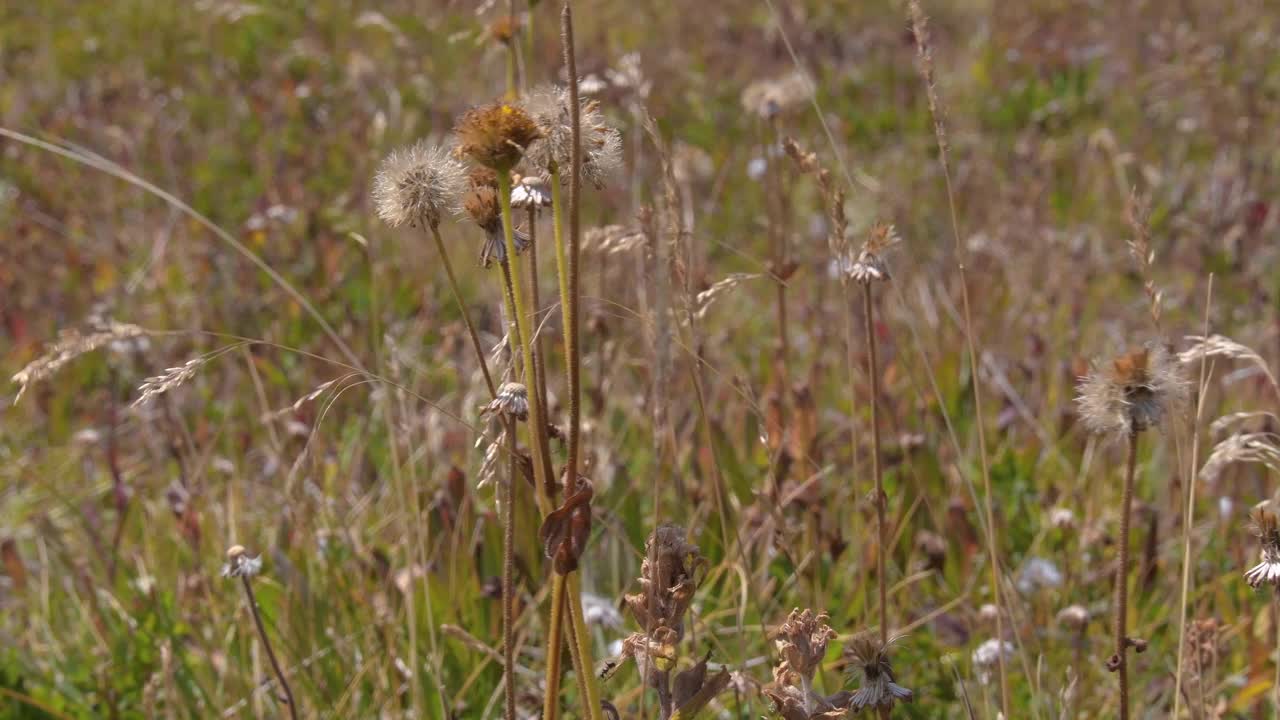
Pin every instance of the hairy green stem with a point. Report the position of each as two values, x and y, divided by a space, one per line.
1122 577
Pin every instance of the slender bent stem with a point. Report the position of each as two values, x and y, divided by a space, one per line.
1122 577
569 312
873 370
518 319
508 564
581 649
266 645
462 309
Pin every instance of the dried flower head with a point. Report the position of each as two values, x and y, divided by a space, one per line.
495 135
769 97
1267 528
1133 393
530 193
802 643
1075 617
870 265
601 145
793 703
480 176
870 658
566 530
239 564
418 184
669 576
512 401
481 204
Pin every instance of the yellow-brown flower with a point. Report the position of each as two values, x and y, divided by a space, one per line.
495 135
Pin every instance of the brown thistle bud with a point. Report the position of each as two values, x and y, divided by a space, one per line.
481 204
495 135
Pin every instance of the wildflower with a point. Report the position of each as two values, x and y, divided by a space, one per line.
1267 528
417 185
482 205
871 659
769 97
512 401
601 144
239 564
802 642
1133 394
1062 518
870 266
495 135
1039 573
530 193
987 656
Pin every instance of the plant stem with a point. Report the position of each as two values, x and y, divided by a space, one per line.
581 647
539 359
555 639
518 315
266 645
572 350
873 370
508 564
462 309
1122 576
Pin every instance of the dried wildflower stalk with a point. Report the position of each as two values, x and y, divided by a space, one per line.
1134 393
919 26
240 565
802 644
669 577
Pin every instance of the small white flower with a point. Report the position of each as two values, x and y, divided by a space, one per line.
1039 573
987 656
1062 518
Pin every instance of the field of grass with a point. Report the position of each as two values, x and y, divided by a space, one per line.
187 212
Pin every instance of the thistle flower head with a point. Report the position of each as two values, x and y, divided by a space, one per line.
1133 393
601 145
495 135
239 564
870 659
802 642
869 265
417 184
1267 528
512 401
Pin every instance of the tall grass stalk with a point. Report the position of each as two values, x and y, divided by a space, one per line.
1189 516
918 24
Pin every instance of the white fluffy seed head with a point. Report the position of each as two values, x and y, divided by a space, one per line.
418 184
549 106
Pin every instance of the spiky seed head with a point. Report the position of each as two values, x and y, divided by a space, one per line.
495 135
870 266
418 184
512 401
549 106
1266 527
869 658
1132 393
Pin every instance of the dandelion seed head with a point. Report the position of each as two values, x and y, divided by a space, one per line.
1133 393
1266 527
869 265
418 184
870 659
512 401
770 97
601 144
240 564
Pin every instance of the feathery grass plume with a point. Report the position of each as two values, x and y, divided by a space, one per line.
770 97
512 401
417 184
549 106
481 204
241 565
1259 447
70 345
1267 529
870 660
1133 393
495 135
1219 346
170 379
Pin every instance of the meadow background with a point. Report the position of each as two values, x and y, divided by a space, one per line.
381 550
